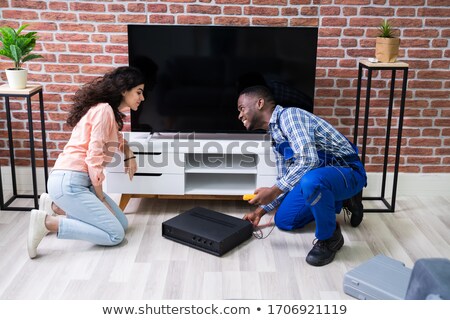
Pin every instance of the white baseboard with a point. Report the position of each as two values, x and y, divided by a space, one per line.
409 184
24 179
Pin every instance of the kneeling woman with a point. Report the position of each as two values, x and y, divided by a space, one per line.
76 207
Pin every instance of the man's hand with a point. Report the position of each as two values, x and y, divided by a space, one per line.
265 195
255 216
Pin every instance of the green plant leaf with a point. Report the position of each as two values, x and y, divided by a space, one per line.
15 52
9 36
21 28
17 46
385 30
25 44
31 34
31 57
6 53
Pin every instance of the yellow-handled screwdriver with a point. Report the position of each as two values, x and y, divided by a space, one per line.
248 196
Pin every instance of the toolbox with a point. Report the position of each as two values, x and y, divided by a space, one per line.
380 278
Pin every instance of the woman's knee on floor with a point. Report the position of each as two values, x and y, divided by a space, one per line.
117 236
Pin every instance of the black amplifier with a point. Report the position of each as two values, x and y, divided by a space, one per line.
207 230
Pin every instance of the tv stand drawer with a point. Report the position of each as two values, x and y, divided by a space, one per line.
145 183
153 162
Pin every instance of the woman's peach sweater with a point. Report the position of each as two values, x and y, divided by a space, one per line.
94 140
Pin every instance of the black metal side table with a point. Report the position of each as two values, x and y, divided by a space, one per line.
28 92
393 67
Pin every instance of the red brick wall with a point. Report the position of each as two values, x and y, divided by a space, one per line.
81 40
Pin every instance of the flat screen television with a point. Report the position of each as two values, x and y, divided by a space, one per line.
201 70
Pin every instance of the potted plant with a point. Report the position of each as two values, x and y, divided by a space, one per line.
386 48
17 47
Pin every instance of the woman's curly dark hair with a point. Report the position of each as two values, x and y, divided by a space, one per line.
109 89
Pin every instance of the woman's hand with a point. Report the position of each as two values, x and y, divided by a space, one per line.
105 202
101 196
131 166
130 160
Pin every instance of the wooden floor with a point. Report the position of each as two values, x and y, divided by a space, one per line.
148 266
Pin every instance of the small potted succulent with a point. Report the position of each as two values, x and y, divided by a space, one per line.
17 47
387 45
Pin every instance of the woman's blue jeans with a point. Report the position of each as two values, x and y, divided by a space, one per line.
318 196
87 218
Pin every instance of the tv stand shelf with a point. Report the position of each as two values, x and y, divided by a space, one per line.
220 184
221 163
192 168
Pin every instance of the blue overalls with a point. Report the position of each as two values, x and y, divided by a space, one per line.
319 193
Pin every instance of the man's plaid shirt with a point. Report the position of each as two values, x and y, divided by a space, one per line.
307 134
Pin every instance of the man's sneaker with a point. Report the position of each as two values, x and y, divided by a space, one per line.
36 231
324 251
45 204
355 207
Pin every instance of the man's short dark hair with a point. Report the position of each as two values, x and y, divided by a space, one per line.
260 92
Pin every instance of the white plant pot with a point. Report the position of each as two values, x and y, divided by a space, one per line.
17 79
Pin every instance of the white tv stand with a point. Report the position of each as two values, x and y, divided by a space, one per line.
213 166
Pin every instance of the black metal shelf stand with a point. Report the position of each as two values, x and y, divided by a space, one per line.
393 67
27 93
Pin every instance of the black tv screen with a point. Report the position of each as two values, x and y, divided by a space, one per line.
201 70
